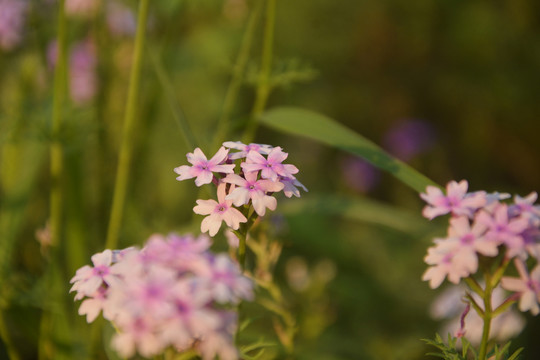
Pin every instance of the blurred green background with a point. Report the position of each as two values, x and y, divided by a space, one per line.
463 75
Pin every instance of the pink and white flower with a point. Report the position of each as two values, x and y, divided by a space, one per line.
291 187
456 201
270 168
527 285
219 211
203 168
262 149
249 188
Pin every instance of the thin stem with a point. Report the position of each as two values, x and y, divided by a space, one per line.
236 80
6 338
487 316
264 86
46 348
126 150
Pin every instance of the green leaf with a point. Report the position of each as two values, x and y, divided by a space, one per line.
358 209
318 127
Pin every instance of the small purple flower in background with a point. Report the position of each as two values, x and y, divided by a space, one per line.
203 168
82 8
155 303
120 19
12 20
359 174
409 138
82 72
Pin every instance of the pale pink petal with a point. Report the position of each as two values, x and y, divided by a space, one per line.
289 170
222 192
211 223
277 155
255 158
236 179
104 258
205 207
204 177
233 218
431 212
454 189
196 157
260 204
271 186
91 308
513 284
435 276
225 168
240 196
184 172
220 157
250 167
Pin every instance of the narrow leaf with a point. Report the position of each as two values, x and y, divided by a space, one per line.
318 127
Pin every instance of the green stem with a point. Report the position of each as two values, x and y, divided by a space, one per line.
126 150
6 338
487 316
236 80
264 87
46 348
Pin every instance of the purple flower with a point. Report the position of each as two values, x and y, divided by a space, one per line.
88 279
272 167
291 185
203 168
456 201
219 211
409 138
359 174
120 19
12 19
252 189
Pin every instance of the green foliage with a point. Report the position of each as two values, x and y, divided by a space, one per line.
323 129
451 350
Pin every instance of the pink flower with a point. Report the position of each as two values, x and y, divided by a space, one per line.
446 261
525 206
457 201
138 334
504 230
528 286
472 237
219 211
252 189
12 19
272 167
202 168
120 19
245 149
291 185
88 279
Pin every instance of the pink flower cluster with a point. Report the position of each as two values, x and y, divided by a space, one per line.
261 173
481 224
172 293
12 21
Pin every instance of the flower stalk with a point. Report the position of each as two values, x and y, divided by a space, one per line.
126 149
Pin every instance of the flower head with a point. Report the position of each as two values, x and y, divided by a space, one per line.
271 167
456 201
203 168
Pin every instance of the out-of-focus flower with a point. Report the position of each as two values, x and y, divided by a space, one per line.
157 302
12 20
120 19
409 138
449 306
527 286
82 70
262 149
359 174
82 8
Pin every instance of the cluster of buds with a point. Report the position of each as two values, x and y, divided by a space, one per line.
482 227
261 173
173 293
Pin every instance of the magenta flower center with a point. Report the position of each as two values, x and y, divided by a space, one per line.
101 270
467 239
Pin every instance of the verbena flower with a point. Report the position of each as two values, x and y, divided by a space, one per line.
203 168
218 211
259 177
456 201
156 302
527 286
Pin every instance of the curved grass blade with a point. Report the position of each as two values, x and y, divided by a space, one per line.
318 127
